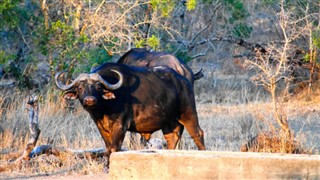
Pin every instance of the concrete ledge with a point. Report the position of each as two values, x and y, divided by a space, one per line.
168 164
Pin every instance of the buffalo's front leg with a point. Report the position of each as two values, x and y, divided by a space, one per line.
118 134
113 139
106 136
112 132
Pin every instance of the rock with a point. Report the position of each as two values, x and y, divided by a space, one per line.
156 143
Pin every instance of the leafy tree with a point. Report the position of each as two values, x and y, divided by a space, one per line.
10 13
238 17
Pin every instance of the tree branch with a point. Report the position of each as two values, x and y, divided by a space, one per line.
33 111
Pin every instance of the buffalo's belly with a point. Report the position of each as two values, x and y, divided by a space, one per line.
154 104
151 118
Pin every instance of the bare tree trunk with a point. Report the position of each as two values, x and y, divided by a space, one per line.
33 111
313 63
147 19
285 134
77 18
44 9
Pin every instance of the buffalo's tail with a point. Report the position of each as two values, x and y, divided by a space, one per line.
198 75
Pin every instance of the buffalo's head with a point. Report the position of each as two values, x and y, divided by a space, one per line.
90 89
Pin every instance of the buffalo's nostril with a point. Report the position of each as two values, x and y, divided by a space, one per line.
89 101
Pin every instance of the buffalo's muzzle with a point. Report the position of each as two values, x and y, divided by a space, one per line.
89 101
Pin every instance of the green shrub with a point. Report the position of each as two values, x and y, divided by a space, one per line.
238 17
10 14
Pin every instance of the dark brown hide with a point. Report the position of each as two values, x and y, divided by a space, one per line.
144 58
148 100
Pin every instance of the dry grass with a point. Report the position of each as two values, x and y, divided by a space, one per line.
73 130
229 108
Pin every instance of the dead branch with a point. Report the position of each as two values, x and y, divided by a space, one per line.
255 47
33 110
7 84
92 153
31 150
45 10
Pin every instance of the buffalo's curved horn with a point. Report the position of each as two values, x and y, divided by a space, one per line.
75 82
97 77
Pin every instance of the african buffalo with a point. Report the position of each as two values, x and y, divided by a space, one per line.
144 58
122 98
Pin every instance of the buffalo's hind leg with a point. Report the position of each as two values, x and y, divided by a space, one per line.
193 128
173 134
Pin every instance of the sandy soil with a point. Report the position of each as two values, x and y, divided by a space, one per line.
55 177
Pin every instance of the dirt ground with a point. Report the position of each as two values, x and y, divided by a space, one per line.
55 177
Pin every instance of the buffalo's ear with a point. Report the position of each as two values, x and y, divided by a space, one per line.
70 95
108 95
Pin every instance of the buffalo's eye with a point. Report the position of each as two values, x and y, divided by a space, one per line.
98 86
81 86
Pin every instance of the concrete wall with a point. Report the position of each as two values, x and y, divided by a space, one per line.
166 164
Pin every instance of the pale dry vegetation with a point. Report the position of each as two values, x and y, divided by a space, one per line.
62 129
227 123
